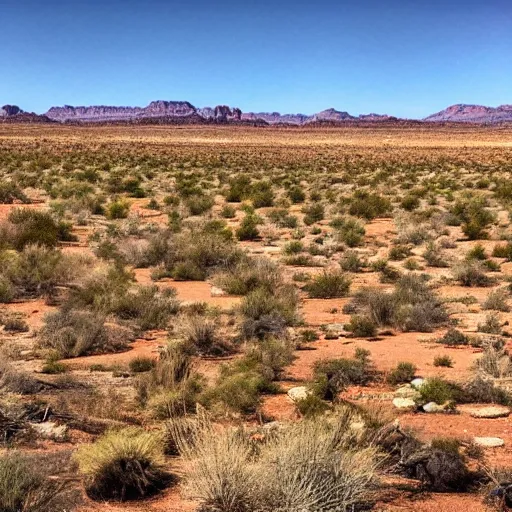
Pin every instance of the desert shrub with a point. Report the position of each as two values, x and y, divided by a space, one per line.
443 361
410 202
118 209
328 285
471 273
349 230
495 362
403 372
483 391
171 388
471 211
198 204
123 465
282 218
412 306
497 300
332 376
351 262
312 406
248 229
250 274
7 291
477 252
24 486
503 251
262 194
361 326
296 195
35 271
10 192
293 247
149 306
453 338
34 227
239 189
434 256
52 367
228 212
141 364
369 205
492 324
202 336
73 333
225 473
440 391
268 314
313 213
17 381
399 252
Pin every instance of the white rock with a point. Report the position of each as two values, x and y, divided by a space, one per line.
417 383
407 392
50 430
404 403
215 291
489 442
298 393
433 407
493 411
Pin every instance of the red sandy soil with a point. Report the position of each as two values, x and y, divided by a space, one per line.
33 311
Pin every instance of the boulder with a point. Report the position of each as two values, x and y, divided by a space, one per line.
417 383
432 407
407 391
489 442
404 404
298 393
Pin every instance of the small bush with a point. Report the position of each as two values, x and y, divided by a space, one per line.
123 465
402 373
201 334
443 361
367 205
471 273
361 326
440 391
118 209
24 486
453 338
497 300
313 213
328 285
351 262
248 229
141 364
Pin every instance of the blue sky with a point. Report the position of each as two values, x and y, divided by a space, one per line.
408 58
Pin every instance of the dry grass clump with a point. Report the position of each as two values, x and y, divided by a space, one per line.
25 486
123 465
74 333
312 465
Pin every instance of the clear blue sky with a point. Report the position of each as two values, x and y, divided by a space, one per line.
408 58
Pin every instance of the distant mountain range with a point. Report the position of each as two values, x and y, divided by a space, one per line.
183 112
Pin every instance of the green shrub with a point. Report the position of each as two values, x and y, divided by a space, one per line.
503 251
471 273
198 204
248 229
351 262
54 367
141 364
313 213
443 361
10 192
123 465
440 391
328 285
25 486
497 300
296 195
312 406
471 211
261 194
453 338
228 212
361 326
118 209
402 373
201 334
349 230
368 205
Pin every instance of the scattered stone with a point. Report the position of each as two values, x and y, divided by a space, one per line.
50 430
298 393
432 407
215 291
489 442
407 391
491 412
417 383
404 403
